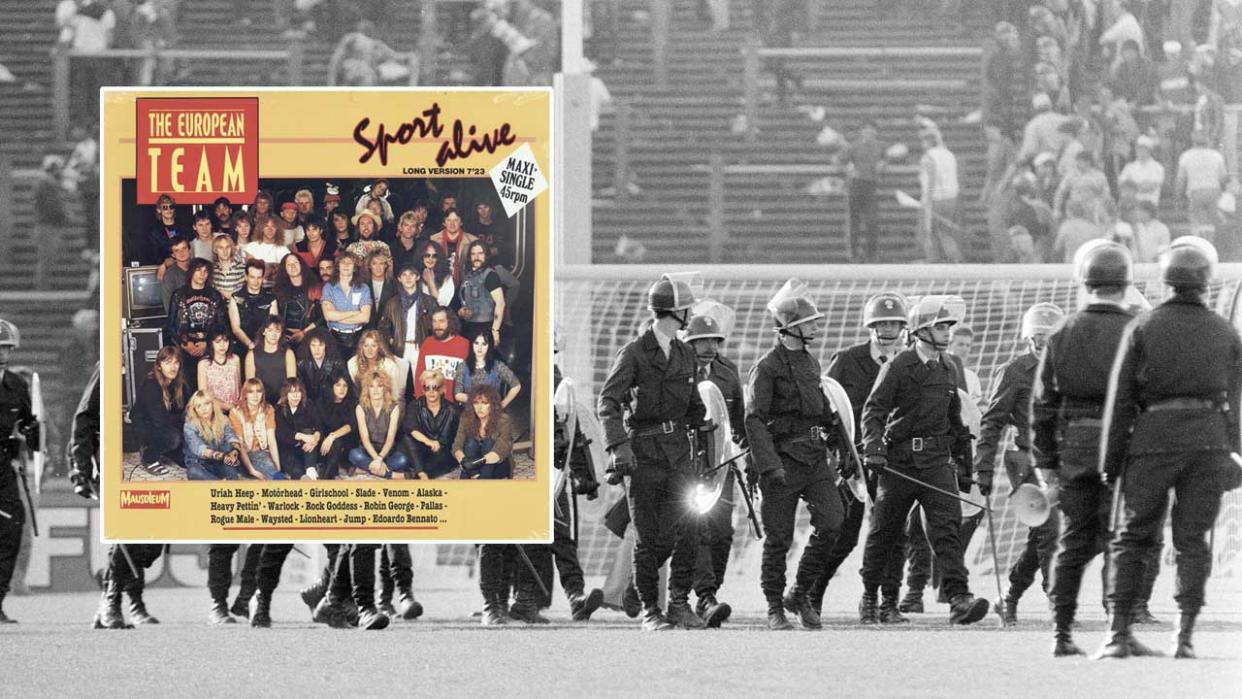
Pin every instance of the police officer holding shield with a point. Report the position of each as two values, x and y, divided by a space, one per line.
1010 405
912 426
648 406
1170 422
16 418
1067 406
791 423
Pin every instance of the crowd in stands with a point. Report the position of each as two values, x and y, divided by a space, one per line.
311 340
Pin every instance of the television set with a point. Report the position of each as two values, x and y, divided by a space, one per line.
144 301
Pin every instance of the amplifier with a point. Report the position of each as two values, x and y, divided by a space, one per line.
139 351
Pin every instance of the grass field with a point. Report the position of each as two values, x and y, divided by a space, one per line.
54 652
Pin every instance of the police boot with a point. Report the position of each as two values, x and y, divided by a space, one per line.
653 620
630 603
1142 615
807 616
109 615
138 613
966 609
495 610
867 613
1063 642
372 619
889 612
1182 647
313 594
682 616
410 608
912 603
527 611
220 612
776 616
712 613
583 606
1009 611
385 600
241 605
261 612
331 612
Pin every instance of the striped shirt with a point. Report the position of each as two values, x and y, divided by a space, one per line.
228 281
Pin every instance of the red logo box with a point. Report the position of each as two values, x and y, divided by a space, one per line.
146 499
197 149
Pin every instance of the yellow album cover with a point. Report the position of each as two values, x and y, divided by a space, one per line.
327 315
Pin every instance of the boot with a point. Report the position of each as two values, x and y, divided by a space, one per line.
630 603
807 616
1118 643
1142 615
495 611
1009 612
331 613
712 613
527 611
1182 647
220 613
867 613
261 615
966 609
912 603
583 606
385 600
889 612
138 609
776 616
1063 642
109 615
313 594
653 620
372 619
410 607
241 605
682 616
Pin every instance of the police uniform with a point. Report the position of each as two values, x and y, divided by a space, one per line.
790 424
396 574
15 409
351 590
220 576
1171 420
856 369
912 423
647 404
1010 405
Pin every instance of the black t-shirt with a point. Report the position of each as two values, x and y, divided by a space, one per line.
253 310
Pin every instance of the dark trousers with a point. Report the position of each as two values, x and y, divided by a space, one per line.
220 571
10 528
354 573
161 443
1036 556
143 555
565 552
715 543
396 570
894 498
1195 481
331 463
664 528
294 462
500 565
814 485
864 221
841 549
1084 506
271 560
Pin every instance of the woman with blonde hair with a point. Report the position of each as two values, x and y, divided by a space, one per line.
484 440
211 447
379 425
373 355
254 422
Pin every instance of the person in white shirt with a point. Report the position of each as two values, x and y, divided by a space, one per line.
1144 172
1150 236
939 229
1201 176
268 247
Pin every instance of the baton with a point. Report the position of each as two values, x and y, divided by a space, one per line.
34 517
727 462
995 563
755 528
125 552
529 564
887 469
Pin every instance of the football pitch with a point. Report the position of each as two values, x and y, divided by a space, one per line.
447 653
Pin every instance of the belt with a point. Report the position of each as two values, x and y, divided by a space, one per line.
816 434
917 444
659 428
339 331
1184 404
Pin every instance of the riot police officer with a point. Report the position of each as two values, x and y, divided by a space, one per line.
648 404
912 426
1010 405
1170 422
791 424
16 418
856 369
1067 405
705 336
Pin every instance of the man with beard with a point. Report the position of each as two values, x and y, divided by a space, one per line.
494 233
705 336
482 295
791 424
856 369
250 307
453 242
368 223
1170 423
912 426
195 310
647 405
444 350
1010 405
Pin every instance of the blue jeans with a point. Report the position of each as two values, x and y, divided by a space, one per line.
395 461
474 449
209 469
262 462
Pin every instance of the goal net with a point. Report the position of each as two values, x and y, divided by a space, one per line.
598 308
